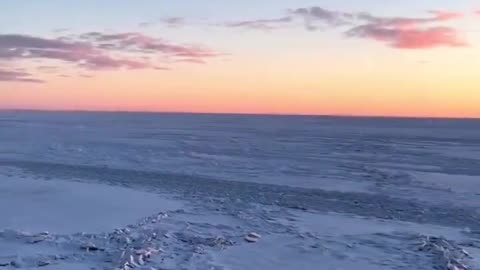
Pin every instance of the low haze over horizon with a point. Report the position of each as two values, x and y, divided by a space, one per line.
344 57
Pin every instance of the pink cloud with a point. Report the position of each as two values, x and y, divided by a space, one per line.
97 51
446 15
90 58
407 22
400 38
82 53
332 18
396 32
410 33
137 42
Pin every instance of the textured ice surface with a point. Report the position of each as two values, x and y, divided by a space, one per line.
323 192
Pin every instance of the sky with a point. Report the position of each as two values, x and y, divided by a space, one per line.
326 57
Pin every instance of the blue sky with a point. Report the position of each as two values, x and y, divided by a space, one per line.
43 16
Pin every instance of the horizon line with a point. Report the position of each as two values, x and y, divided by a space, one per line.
241 114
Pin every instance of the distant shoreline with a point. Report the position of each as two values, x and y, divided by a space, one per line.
400 117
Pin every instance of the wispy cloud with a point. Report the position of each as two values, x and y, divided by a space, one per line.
17 76
396 32
147 45
48 69
262 24
14 47
406 22
409 33
174 22
97 51
61 30
442 15
313 15
146 24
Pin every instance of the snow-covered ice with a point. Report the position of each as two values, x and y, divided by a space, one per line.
68 207
153 191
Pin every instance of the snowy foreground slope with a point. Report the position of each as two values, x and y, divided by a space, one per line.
57 224
218 192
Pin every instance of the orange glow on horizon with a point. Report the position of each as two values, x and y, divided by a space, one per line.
354 84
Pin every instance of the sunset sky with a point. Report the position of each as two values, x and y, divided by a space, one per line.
342 57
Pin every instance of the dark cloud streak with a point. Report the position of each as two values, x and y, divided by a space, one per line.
17 76
312 15
264 24
174 22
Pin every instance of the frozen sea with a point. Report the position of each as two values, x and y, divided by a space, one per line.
234 192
